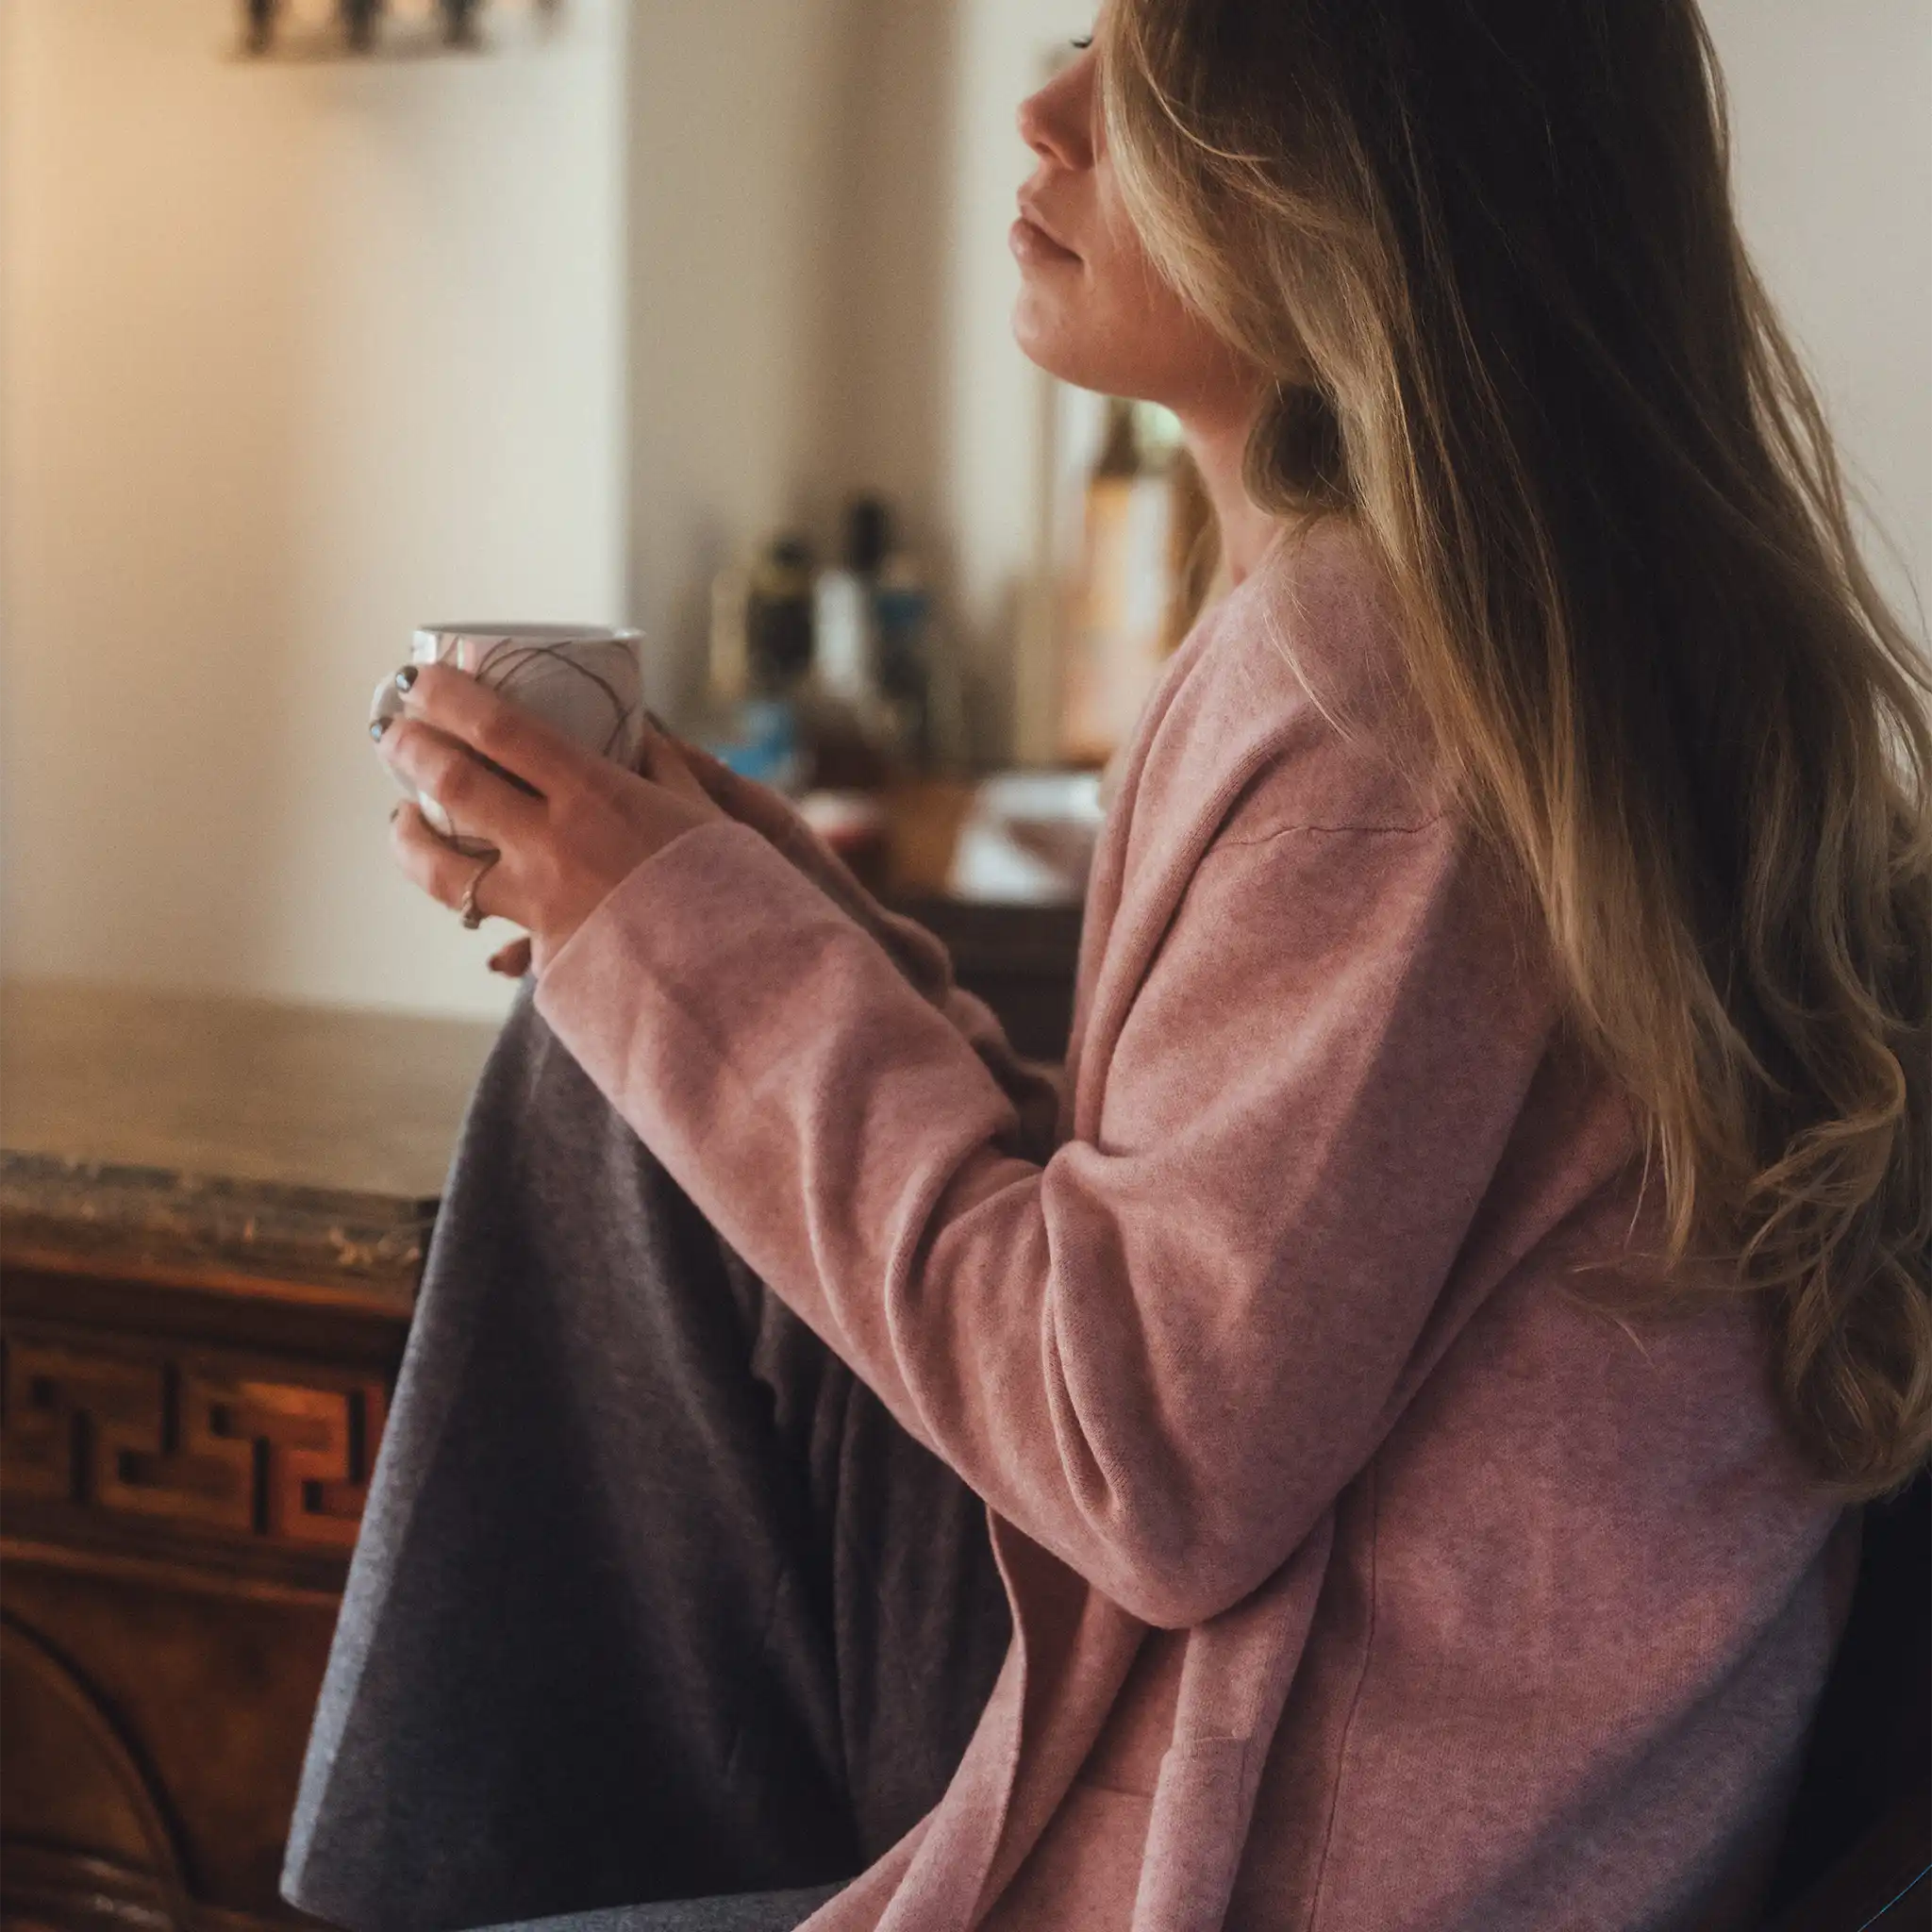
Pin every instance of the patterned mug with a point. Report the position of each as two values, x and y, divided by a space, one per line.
584 680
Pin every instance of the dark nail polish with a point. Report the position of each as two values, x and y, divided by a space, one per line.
377 726
406 676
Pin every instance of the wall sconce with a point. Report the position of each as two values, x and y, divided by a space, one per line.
325 29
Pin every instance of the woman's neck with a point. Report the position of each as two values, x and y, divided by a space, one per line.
1218 442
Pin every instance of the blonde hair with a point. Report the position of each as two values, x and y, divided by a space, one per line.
1485 250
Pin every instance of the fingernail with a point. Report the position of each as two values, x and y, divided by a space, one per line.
377 726
406 676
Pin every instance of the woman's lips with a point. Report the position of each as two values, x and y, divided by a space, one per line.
1035 247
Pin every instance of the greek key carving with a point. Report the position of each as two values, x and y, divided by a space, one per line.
189 1442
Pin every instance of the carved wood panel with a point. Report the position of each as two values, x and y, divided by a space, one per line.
281 1454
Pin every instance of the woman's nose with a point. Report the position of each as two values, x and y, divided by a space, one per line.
1056 121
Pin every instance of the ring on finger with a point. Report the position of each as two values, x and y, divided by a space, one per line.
473 914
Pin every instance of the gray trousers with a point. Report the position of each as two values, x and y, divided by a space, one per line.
654 1601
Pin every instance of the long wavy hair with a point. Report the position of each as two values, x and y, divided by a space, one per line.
1486 252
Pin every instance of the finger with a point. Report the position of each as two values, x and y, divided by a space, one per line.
767 811
472 796
666 761
463 707
436 865
745 798
714 776
512 960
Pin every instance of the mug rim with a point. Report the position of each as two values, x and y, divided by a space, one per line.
535 633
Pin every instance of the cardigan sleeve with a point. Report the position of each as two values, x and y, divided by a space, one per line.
1160 1352
1035 1088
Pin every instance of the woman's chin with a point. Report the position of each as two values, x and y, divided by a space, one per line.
1044 337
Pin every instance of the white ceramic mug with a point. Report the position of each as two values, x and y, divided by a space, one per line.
585 681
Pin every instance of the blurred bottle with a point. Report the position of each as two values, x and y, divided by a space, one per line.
880 610
358 24
778 616
1138 583
759 652
834 681
846 631
851 733
918 673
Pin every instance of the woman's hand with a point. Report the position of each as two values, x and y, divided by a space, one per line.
582 827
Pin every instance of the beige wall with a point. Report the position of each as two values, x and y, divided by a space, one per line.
736 154
295 356
1832 111
291 358
795 170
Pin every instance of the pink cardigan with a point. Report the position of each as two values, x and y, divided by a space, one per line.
1363 1577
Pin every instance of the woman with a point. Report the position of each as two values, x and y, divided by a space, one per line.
1418 1379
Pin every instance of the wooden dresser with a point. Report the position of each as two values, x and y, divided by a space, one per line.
212 1219
213 1216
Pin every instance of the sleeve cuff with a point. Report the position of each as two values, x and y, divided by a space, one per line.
686 917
